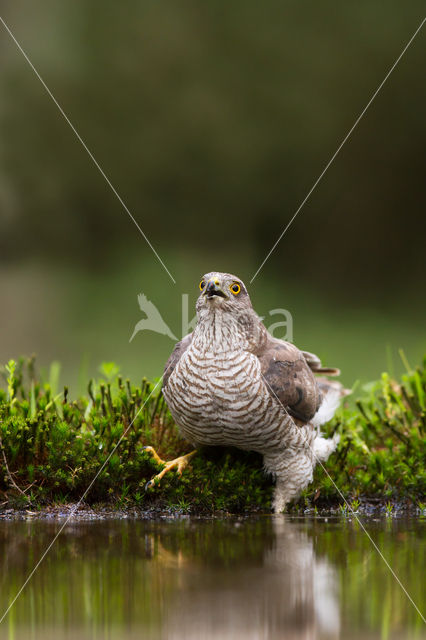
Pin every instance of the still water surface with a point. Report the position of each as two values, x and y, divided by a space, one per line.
257 578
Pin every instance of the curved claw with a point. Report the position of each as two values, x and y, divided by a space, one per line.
149 485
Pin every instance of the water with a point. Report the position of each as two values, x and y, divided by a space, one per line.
266 577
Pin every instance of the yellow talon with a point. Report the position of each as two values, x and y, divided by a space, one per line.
179 463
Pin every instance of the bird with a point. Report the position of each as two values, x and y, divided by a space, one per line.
231 383
153 320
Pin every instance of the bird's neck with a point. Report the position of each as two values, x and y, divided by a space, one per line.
217 332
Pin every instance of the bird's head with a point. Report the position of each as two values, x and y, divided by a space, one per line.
224 301
222 291
225 316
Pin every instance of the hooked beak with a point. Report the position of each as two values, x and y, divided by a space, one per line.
213 289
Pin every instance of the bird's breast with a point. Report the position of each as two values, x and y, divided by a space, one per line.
218 398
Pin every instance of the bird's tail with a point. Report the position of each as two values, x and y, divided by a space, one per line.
328 408
333 393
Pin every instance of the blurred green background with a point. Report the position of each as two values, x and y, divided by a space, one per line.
213 120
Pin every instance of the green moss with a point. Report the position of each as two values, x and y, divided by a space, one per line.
382 451
54 446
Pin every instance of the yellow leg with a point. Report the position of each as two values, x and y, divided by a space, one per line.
178 463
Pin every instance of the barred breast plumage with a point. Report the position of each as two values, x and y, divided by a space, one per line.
220 400
231 383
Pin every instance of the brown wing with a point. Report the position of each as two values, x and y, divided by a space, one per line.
288 376
174 358
315 364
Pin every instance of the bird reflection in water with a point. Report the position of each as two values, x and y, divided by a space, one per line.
281 590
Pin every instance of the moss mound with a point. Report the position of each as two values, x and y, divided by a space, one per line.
52 447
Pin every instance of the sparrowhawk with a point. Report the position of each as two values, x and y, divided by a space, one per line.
231 383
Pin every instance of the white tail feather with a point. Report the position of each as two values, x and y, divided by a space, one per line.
328 408
324 447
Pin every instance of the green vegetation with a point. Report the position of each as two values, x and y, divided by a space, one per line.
53 447
382 451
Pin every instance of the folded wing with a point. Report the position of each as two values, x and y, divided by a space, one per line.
289 377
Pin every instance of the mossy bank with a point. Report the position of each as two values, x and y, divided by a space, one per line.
56 450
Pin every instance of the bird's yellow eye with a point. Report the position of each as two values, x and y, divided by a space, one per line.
202 285
235 288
